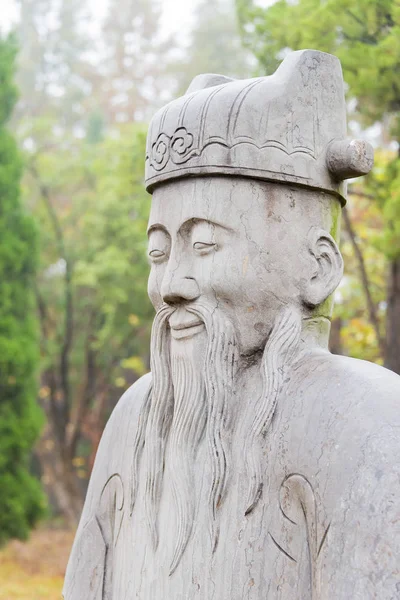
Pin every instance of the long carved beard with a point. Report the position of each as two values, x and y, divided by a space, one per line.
221 364
187 396
277 358
190 413
176 407
216 385
154 421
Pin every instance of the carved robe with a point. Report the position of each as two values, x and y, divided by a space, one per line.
326 527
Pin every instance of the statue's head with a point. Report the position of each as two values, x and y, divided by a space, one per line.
247 187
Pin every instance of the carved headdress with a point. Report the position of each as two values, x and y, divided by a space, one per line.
289 127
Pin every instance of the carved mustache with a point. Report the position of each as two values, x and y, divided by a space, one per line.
187 317
202 310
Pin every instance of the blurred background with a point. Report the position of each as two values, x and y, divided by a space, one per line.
79 81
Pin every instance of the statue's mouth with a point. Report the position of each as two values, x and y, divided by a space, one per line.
184 324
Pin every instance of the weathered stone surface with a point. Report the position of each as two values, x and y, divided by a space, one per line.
251 463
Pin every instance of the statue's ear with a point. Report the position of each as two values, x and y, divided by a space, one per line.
327 269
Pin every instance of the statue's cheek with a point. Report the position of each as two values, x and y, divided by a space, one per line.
154 285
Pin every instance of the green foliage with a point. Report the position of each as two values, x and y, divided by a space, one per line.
8 92
98 201
383 184
111 267
364 34
358 336
90 204
21 502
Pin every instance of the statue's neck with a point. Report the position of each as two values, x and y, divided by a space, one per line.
314 337
314 334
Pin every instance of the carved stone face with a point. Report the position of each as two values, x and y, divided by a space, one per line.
236 244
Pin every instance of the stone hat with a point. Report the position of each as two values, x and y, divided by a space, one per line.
289 127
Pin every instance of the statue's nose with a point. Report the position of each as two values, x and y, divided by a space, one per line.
176 289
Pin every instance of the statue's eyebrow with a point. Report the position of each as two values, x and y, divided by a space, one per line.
189 223
157 227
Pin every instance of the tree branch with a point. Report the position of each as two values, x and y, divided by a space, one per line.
373 317
361 194
52 408
43 314
68 321
353 16
84 398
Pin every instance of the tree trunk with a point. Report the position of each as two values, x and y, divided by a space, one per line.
94 423
335 339
372 309
59 480
392 356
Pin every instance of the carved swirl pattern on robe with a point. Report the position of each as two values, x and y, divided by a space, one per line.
297 498
91 578
110 514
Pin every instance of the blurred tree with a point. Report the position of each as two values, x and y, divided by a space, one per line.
83 78
81 89
135 61
215 45
365 35
21 500
360 305
30 76
54 72
95 315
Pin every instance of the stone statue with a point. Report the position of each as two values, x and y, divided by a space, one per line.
251 463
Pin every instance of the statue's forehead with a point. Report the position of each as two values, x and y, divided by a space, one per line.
214 199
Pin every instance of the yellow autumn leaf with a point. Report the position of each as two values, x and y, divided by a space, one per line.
133 320
44 392
136 364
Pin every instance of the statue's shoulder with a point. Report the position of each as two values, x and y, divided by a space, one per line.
357 404
348 383
354 402
89 573
366 385
132 400
367 396
115 448
123 420
360 448
129 406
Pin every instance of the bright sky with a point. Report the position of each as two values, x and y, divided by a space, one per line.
176 15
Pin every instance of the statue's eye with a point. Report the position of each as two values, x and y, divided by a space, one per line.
203 247
156 254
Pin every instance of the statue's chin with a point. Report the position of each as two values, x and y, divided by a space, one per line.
190 342
185 333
